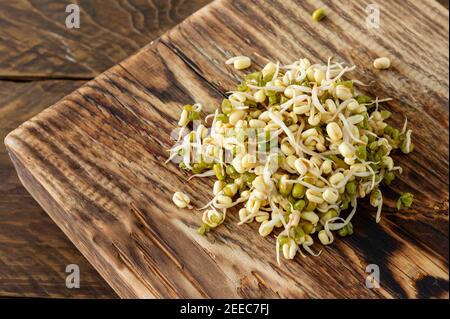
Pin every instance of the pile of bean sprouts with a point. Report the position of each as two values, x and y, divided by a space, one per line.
294 146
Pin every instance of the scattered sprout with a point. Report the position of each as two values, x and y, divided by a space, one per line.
181 200
405 200
382 63
346 230
319 14
240 62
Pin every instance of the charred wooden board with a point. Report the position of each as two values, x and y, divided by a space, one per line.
36 70
34 252
95 160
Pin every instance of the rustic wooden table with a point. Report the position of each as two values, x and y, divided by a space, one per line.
40 62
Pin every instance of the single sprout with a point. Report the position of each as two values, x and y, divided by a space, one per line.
318 15
351 188
299 205
240 62
385 114
289 248
212 218
230 190
344 204
299 234
283 187
375 197
343 93
181 199
310 206
222 118
332 213
226 106
254 77
231 171
348 84
361 152
346 230
323 237
218 170
407 146
293 147
203 229
382 63
363 99
405 200
298 191
389 177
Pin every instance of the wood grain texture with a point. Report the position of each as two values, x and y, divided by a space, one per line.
94 160
33 251
109 32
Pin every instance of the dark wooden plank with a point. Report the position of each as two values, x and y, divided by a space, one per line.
114 30
34 253
95 158
444 3
109 32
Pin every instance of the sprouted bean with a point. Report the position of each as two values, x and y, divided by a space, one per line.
240 62
181 200
382 63
319 14
321 145
405 200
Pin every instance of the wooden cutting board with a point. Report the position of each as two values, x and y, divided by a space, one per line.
95 160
